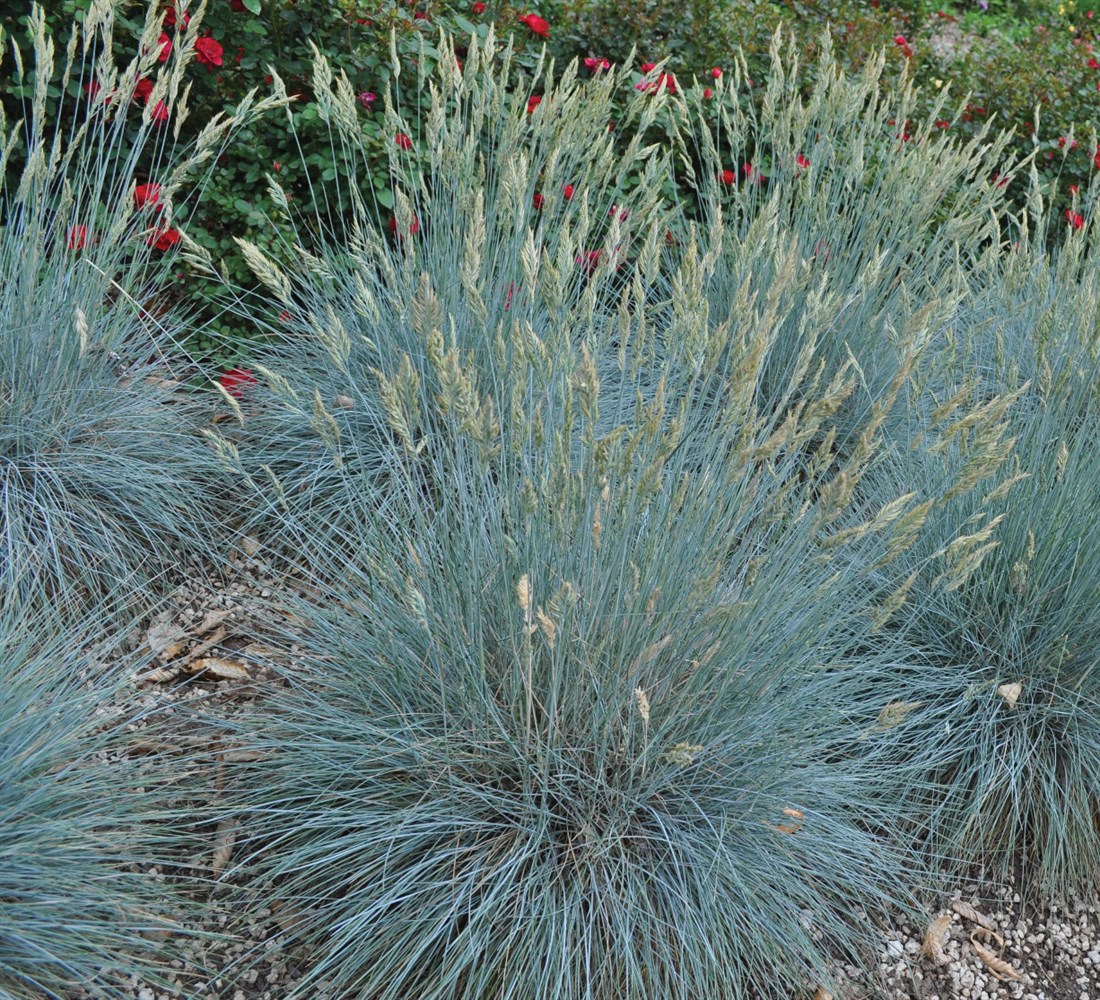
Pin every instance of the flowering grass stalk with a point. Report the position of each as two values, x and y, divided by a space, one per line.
519 222
887 213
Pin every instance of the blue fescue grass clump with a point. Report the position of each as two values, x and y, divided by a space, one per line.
1002 715
102 473
87 829
888 211
569 735
598 624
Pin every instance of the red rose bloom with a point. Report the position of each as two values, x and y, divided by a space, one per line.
414 226
533 102
237 381
171 19
164 239
78 237
568 192
208 51
165 44
478 8
146 194
403 140
537 201
802 162
663 80
716 73
596 64
590 259
707 93
536 24
1075 219
646 67
144 89
237 6
160 113
729 177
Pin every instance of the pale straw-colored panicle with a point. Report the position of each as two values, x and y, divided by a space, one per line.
327 429
266 271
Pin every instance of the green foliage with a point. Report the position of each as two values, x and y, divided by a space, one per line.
102 473
83 898
245 47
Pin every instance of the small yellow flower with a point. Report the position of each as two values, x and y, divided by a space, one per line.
937 84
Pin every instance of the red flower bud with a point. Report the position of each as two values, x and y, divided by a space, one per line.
536 24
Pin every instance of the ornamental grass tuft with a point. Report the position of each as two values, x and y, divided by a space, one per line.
103 477
1003 738
88 833
596 625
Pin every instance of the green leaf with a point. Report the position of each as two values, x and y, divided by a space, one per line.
253 5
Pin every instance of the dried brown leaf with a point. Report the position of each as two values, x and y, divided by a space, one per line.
217 666
967 912
344 403
211 620
158 675
822 994
172 651
796 815
998 967
204 647
1011 693
934 938
161 636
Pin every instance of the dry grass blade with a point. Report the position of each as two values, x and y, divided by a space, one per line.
224 839
997 966
967 912
934 938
